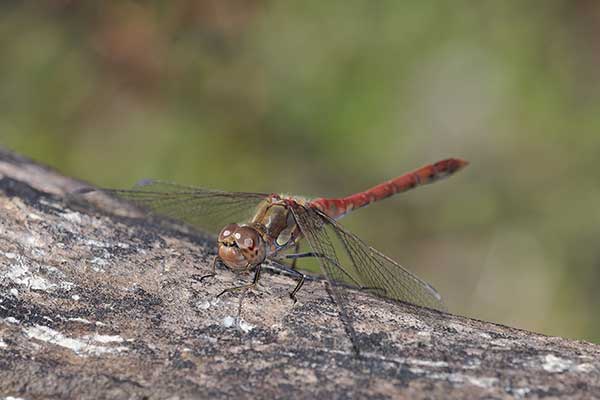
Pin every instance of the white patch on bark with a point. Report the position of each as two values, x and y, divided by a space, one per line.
551 363
521 392
427 363
479 381
72 217
82 320
86 345
586 367
229 322
21 275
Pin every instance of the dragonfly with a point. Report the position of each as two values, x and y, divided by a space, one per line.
256 227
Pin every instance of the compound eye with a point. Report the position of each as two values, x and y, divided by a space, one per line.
227 231
246 238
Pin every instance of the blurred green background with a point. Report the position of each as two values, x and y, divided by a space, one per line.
328 98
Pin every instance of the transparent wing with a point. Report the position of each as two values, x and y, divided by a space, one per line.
313 227
206 209
366 267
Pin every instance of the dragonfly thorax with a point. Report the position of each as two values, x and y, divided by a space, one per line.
278 224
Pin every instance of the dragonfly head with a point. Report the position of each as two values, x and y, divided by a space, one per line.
241 247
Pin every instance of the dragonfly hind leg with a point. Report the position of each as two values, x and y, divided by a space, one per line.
331 260
291 270
298 286
359 286
296 251
244 287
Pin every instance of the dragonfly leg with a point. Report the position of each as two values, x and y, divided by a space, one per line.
296 251
291 271
374 290
244 287
295 256
238 318
213 271
331 260
298 286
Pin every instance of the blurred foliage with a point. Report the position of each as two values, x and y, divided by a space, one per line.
327 98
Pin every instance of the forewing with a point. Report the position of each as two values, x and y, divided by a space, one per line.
378 273
206 209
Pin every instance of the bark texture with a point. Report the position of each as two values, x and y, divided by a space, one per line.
97 304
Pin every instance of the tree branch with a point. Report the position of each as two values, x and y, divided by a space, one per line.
94 305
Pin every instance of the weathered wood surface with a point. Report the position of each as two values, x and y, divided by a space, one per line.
100 306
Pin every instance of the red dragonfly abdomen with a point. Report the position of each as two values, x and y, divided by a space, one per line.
336 208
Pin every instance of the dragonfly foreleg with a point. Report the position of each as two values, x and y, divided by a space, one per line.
238 318
244 287
213 271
